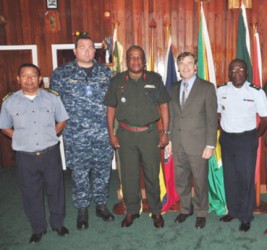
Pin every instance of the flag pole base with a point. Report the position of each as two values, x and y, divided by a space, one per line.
261 208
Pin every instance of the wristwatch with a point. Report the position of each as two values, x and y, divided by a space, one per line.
166 132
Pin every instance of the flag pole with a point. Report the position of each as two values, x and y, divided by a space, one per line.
261 207
258 183
152 26
198 10
116 25
167 24
119 207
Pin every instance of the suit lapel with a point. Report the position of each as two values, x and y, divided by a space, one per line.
178 94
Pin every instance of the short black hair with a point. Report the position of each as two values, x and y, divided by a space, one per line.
83 37
182 55
238 60
135 47
24 65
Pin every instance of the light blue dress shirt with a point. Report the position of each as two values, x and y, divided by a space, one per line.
33 121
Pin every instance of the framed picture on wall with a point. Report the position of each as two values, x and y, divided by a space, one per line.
51 4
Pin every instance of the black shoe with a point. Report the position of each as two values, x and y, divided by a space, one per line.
128 220
227 218
82 218
200 222
62 231
35 238
182 217
158 220
103 212
245 226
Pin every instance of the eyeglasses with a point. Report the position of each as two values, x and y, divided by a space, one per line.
237 69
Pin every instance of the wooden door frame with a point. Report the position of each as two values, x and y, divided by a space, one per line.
32 47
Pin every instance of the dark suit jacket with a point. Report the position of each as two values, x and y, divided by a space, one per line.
195 126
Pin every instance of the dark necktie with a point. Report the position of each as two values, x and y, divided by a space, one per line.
185 94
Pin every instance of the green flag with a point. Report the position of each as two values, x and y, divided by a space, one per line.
206 70
243 41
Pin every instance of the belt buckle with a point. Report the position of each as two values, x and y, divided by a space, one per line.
38 153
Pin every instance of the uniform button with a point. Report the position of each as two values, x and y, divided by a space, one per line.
33 111
179 130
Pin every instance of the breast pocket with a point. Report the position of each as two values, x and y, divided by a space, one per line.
46 115
20 118
152 95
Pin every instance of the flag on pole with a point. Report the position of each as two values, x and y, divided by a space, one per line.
217 199
171 196
205 59
206 71
243 41
170 69
257 61
117 53
257 80
116 68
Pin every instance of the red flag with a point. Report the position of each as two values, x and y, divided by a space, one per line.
172 195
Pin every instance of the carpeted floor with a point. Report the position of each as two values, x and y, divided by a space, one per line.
15 230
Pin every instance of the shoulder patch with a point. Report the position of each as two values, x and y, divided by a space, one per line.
152 74
53 92
223 84
254 86
8 95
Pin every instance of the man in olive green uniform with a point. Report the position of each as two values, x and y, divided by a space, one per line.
134 98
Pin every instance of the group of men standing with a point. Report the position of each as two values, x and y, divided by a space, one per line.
86 100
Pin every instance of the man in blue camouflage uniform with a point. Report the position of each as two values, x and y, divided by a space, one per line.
82 85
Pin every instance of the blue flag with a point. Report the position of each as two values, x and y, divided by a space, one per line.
171 75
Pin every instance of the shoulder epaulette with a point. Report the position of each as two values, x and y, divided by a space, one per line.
254 86
53 92
223 84
153 73
9 94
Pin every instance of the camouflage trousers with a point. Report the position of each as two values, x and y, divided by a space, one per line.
90 185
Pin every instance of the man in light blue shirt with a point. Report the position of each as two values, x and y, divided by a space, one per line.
33 118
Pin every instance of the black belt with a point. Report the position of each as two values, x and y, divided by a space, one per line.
39 153
242 133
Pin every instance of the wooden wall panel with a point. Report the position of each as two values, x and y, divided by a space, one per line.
26 24
8 83
29 22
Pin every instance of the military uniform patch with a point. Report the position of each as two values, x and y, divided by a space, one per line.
254 86
9 94
53 92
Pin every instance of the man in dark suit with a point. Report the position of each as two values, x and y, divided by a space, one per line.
193 128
